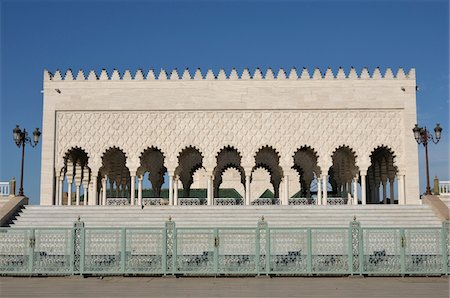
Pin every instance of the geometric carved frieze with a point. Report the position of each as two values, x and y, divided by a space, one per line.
210 131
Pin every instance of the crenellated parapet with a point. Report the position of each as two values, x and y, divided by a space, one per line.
233 74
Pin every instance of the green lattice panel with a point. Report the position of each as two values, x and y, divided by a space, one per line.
382 251
52 251
195 251
14 250
102 250
423 251
289 251
237 250
330 251
144 250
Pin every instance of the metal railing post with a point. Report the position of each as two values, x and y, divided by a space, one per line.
402 251
171 246
123 249
78 246
354 246
31 244
309 256
445 246
264 238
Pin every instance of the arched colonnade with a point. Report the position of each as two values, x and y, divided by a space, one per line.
344 182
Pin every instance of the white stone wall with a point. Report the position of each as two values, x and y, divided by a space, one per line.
134 113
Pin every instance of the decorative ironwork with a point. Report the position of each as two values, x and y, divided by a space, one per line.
51 249
151 201
302 201
355 233
144 250
14 250
195 251
117 201
423 250
382 250
236 251
289 250
102 250
330 250
337 201
266 201
228 201
208 251
192 201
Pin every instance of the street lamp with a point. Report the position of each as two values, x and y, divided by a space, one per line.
21 138
422 135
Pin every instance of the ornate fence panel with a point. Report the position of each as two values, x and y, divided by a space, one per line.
423 251
53 251
144 251
383 251
15 251
236 251
215 251
290 251
330 250
103 250
195 251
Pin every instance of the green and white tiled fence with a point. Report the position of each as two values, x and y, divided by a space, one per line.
216 251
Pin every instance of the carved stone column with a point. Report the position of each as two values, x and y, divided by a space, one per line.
209 191
140 190
132 190
247 190
175 191
363 188
401 189
170 188
325 189
93 197
60 194
391 190
85 192
319 191
104 190
355 190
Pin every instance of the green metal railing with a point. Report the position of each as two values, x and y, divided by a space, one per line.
225 251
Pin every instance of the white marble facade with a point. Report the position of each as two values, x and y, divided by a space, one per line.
210 111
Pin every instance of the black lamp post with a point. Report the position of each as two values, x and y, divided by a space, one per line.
422 136
21 138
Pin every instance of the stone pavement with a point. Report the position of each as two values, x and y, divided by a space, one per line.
409 287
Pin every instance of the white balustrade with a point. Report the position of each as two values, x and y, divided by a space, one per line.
4 189
444 187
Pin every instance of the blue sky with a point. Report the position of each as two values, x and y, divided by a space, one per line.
38 35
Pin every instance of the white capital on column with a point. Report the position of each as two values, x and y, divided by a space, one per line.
325 189
140 190
132 190
247 190
363 189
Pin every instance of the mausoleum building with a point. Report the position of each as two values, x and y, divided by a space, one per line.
312 137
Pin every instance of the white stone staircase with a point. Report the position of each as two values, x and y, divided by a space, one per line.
228 216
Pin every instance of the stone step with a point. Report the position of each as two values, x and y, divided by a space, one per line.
228 216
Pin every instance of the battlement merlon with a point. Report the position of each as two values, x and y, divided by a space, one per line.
235 91
281 74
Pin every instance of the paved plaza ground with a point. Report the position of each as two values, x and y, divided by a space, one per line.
431 287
